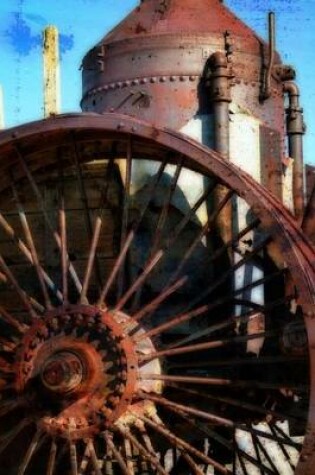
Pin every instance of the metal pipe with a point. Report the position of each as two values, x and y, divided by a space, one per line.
220 95
266 93
295 132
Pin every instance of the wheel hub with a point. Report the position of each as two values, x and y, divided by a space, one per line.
79 358
63 372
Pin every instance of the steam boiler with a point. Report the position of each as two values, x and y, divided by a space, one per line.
157 284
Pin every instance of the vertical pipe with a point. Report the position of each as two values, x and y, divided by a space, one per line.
295 132
221 97
272 45
51 71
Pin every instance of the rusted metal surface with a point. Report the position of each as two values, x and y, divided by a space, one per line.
295 131
152 64
95 368
308 221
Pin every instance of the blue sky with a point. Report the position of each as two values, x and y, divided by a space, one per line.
83 22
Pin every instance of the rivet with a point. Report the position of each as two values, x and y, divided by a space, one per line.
112 86
135 82
143 81
119 84
162 79
153 80
173 78
127 83
192 78
182 78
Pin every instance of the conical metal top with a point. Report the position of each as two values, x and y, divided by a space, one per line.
160 17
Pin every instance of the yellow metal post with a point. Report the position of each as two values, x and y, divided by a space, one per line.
51 71
1 109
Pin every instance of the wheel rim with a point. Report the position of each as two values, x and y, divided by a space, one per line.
97 356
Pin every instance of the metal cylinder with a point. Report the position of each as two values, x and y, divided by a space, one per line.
295 132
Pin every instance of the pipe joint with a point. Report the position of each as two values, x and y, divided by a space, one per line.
220 80
295 122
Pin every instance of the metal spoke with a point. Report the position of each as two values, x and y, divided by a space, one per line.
129 238
125 214
192 211
84 461
196 470
257 453
145 436
85 204
165 209
122 464
182 410
214 435
261 448
31 245
187 409
220 382
40 200
262 360
154 304
91 259
26 300
247 257
156 245
8 318
8 437
140 280
282 447
229 321
73 458
149 456
129 457
52 458
242 464
201 310
285 438
117 267
27 253
94 459
30 452
234 402
206 346
204 231
178 442
177 320
64 252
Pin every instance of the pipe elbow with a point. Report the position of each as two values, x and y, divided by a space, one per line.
291 88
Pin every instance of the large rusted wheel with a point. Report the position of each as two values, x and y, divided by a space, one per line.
136 336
